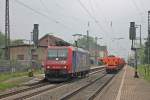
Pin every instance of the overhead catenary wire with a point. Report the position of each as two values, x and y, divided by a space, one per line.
136 6
42 14
91 16
143 10
75 19
62 8
139 11
142 5
92 8
45 7
104 18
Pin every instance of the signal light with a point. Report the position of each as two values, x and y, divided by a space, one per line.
132 31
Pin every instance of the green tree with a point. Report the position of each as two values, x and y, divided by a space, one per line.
2 39
141 54
2 43
12 42
17 42
82 42
147 53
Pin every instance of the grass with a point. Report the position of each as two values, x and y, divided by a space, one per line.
4 86
144 70
8 76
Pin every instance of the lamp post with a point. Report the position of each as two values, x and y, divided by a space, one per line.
136 49
87 41
140 26
76 37
116 40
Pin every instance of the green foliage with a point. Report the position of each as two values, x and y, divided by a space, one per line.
17 42
9 80
141 54
144 70
2 43
6 76
2 39
83 43
146 53
4 86
30 73
1 53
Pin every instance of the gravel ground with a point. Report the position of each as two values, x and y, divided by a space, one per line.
108 89
57 93
90 90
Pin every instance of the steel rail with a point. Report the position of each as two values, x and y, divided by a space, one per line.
38 85
69 95
101 88
3 96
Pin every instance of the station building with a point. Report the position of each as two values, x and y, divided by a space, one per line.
23 51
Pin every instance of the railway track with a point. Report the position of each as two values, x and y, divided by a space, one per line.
101 88
32 92
33 86
36 89
95 87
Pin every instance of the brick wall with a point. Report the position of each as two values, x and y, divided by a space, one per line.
23 53
44 41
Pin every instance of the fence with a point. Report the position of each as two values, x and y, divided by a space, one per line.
18 65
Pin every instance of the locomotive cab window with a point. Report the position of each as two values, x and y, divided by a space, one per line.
52 54
60 54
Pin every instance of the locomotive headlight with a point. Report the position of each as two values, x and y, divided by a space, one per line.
65 67
48 67
63 62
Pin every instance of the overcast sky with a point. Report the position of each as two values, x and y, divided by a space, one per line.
108 19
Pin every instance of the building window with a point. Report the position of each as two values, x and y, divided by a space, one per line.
35 57
20 57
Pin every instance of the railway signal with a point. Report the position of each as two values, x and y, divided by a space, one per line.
132 36
132 31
